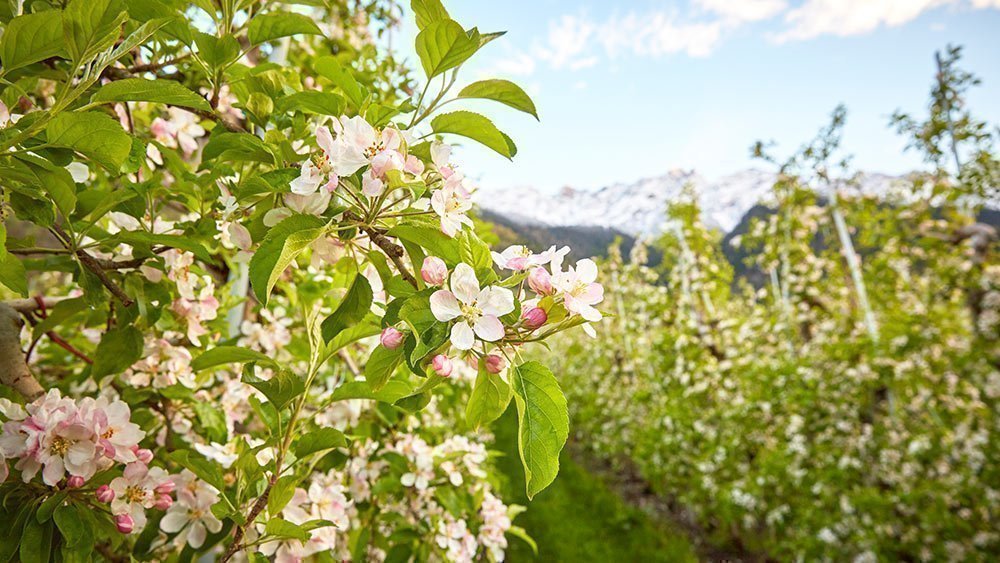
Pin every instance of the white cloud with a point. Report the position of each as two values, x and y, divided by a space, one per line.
744 10
568 38
853 17
656 34
578 41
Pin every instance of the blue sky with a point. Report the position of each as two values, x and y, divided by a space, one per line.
627 90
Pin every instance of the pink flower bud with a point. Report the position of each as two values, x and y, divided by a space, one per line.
442 365
495 363
124 523
391 338
163 502
540 281
104 494
74 482
145 455
534 318
166 487
434 271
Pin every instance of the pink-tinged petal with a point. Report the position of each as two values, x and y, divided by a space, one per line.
462 336
586 270
450 226
276 215
496 301
196 537
586 311
135 471
489 328
444 305
53 471
324 139
464 284
173 521
593 294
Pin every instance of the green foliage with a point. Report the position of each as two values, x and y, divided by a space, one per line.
543 424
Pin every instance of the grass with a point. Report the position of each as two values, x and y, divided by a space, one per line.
578 518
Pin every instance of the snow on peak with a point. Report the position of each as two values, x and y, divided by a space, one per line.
640 207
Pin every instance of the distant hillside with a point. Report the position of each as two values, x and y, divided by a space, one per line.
585 242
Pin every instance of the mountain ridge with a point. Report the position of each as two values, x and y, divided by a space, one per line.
639 208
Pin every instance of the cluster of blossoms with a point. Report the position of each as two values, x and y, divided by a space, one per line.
63 437
71 441
355 144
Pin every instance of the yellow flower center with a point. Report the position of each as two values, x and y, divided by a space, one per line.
60 445
135 493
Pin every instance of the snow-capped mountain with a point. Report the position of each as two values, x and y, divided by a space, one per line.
640 207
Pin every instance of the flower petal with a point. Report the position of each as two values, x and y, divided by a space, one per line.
462 336
489 328
464 284
444 305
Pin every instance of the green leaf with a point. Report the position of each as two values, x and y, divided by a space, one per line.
319 103
475 252
428 12
142 239
476 127
503 91
318 441
92 134
381 365
12 272
351 309
242 147
217 52
118 350
36 541
229 355
270 26
280 389
158 91
72 525
443 45
91 26
31 38
49 506
489 399
430 237
212 420
281 528
364 328
280 247
205 469
543 424
282 492
391 392
330 68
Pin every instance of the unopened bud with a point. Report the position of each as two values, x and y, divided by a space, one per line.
163 502
104 494
124 523
166 487
540 281
145 455
434 270
391 338
442 365
534 318
495 363
74 482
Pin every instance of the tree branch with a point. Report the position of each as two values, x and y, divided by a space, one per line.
95 267
394 251
14 371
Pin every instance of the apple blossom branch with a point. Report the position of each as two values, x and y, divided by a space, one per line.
391 249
